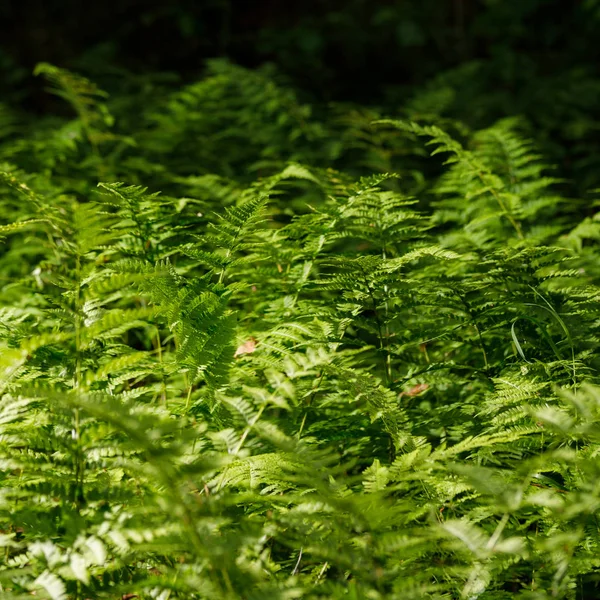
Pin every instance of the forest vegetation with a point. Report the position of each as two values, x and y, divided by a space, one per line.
257 345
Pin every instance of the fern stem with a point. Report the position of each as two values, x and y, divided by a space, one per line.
297 566
249 428
189 392
475 326
77 458
302 425
322 571
162 371
498 532
482 345
227 581
242 440
516 225
382 344
388 356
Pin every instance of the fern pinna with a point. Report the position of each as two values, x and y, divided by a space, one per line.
313 385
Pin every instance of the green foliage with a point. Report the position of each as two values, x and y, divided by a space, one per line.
287 377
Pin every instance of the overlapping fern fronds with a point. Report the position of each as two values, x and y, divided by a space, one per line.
310 386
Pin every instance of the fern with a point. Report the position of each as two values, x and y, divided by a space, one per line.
317 383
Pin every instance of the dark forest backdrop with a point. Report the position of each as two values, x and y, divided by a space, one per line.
335 48
537 58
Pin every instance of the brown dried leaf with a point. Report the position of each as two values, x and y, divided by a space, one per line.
248 347
415 390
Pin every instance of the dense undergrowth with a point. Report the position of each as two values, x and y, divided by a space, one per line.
321 363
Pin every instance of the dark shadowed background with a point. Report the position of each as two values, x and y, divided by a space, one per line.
537 58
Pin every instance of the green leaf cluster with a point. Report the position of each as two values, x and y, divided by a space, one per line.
283 377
